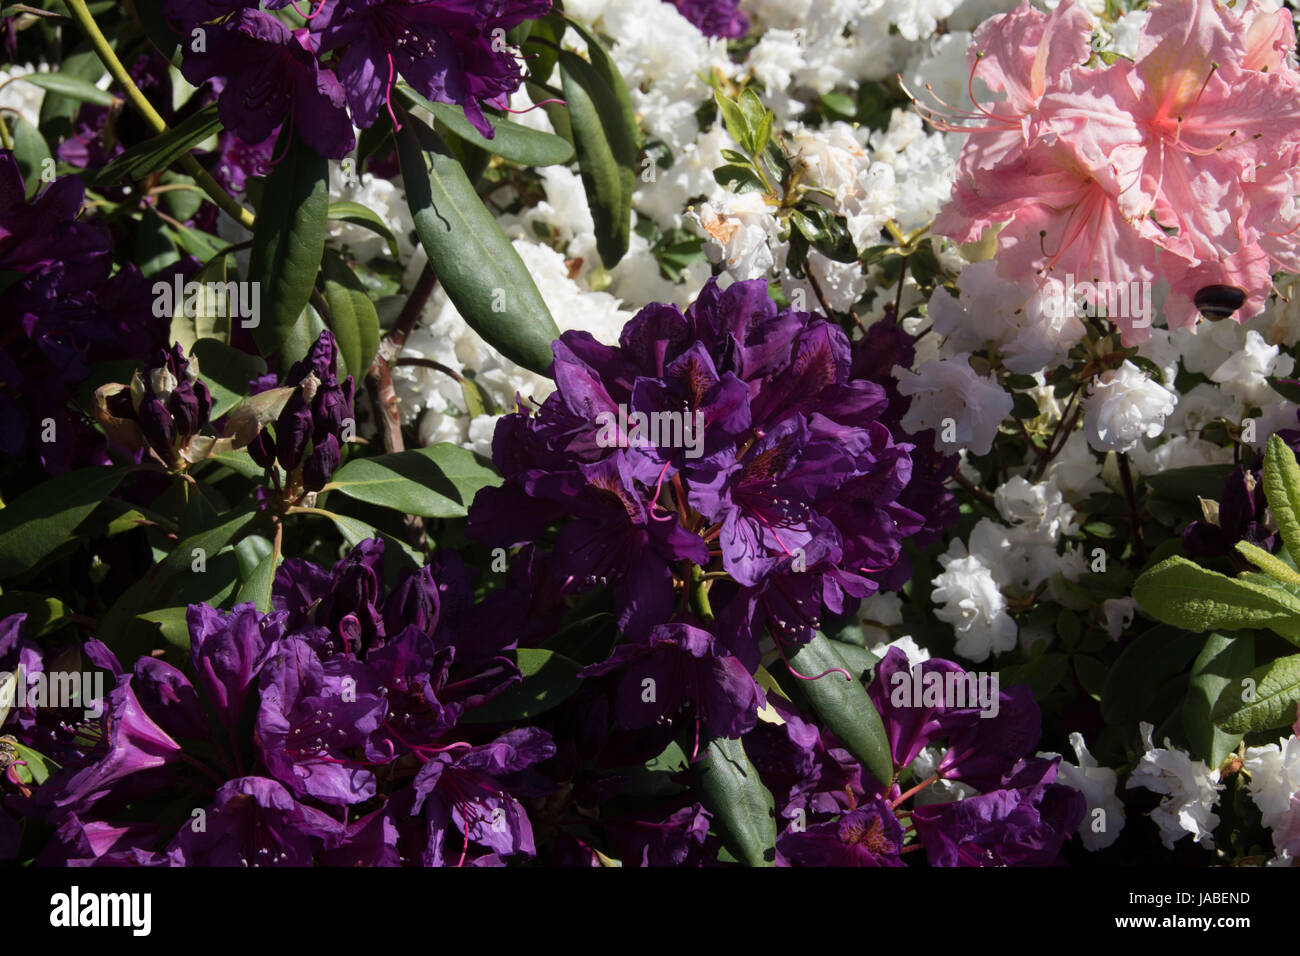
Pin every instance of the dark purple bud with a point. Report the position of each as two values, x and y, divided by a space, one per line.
262 449
331 407
292 431
321 464
157 426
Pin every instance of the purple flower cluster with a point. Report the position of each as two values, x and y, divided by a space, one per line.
327 730
715 18
340 69
308 434
162 410
1019 815
65 310
725 457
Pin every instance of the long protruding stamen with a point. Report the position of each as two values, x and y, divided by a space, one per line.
388 93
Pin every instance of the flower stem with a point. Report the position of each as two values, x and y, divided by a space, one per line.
119 72
699 589
1134 515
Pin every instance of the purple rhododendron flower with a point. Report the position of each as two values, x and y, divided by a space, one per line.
451 51
715 18
272 77
868 836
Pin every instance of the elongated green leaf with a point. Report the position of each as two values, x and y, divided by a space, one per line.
1282 489
1223 661
609 72
353 318
162 150
256 587
360 215
844 705
31 153
518 144
288 241
548 680
1186 595
1266 700
606 154
479 268
743 810
1276 568
163 584
435 482
41 520
71 86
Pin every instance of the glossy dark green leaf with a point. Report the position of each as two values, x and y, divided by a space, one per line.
71 86
226 372
435 482
511 141
478 267
548 680
289 240
31 153
606 154
604 64
1138 686
844 705
162 150
352 319
743 811
42 519
359 215
1223 661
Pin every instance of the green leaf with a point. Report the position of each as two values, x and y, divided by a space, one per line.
353 318
1282 489
1183 485
1142 679
548 680
44 518
30 153
734 118
44 614
1267 702
36 768
165 583
518 144
160 151
744 814
359 215
482 273
70 86
1223 661
844 705
256 587
606 154
289 240
1277 569
435 482
226 372
354 531
172 625
604 64
1186 595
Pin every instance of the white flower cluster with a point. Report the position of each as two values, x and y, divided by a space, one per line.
1190 789
1275 787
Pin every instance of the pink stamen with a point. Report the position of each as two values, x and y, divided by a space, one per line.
388 94
308 16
